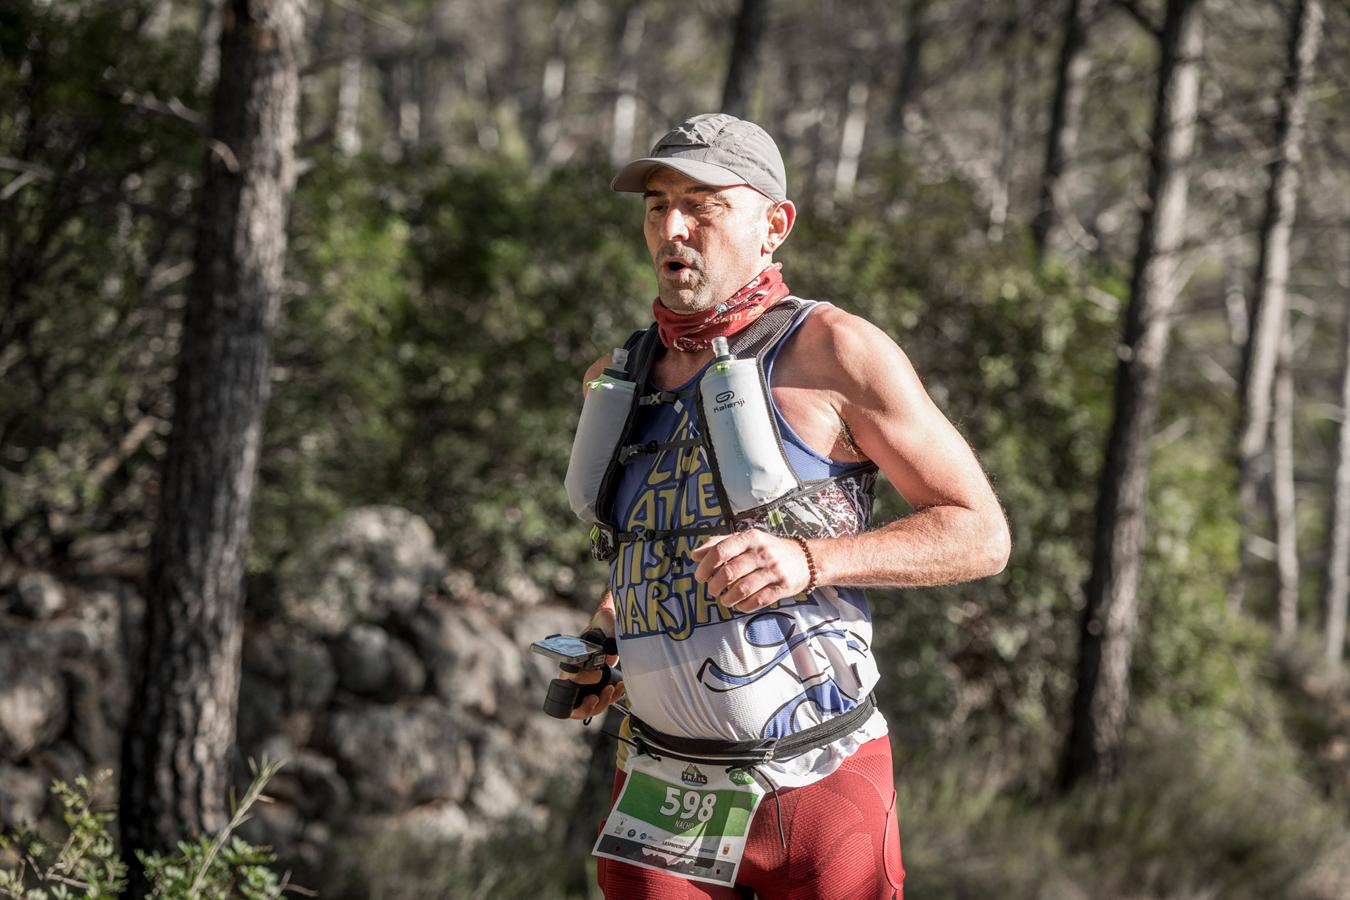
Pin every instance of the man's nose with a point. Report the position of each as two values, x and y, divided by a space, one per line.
675 226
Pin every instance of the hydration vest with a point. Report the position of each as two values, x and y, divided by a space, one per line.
756 485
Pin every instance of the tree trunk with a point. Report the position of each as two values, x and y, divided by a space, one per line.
435 97
1101 701
176 752
544 137
1337 598
1014 73
624 123
851 138
911 67
744 64
1282 488
209 35
1066 114
347 119
1272 273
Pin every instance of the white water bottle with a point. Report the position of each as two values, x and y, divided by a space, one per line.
736 413
608 400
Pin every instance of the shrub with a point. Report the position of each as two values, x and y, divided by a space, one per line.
86 863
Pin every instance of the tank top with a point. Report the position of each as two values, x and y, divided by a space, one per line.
693 667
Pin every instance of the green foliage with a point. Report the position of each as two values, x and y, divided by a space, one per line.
1021 360
1198 812
86 861
433 357
407 865
92 241
86 864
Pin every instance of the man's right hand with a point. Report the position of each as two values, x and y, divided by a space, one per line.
603 620
596 703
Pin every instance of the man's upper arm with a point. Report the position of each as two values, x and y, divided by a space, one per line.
594 372
894 421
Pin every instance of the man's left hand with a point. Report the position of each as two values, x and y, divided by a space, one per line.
749 570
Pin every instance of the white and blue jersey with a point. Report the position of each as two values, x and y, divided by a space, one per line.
696 669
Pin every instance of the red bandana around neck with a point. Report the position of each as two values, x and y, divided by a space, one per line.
692 333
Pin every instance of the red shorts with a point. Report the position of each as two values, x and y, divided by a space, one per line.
843 843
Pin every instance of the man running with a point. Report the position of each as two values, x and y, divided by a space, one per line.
744 630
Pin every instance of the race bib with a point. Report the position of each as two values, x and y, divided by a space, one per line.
682 819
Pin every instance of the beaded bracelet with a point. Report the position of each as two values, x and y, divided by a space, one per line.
810 563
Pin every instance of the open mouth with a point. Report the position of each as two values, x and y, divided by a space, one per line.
674 265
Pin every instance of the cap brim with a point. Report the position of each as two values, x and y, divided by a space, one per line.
632 178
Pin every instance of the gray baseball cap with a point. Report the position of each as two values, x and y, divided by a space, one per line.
715 149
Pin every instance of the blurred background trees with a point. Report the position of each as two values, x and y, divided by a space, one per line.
983 180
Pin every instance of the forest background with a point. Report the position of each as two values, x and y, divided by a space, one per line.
1031 198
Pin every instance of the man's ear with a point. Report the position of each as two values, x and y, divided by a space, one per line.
781 217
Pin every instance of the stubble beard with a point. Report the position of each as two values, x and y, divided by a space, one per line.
693 298
697 295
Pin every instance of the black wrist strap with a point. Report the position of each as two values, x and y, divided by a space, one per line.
598 637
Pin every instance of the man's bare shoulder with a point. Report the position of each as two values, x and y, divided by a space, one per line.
594 371
844 351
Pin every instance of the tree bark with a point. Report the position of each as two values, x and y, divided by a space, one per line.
744 63
209 35
1066 114
1336 599
1272 274
851 138
176 752
624 121
911 67
1101 700
435 96
1282 489
347 119
548 115
1014 66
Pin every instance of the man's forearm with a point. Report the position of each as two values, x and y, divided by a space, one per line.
603 617
933 546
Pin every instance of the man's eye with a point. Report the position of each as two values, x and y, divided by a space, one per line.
655 208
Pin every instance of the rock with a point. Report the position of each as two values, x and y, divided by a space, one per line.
273 824
310 782
310 674
262 706
371 565
473 665
522 591
372 663
33 708
90 727
538 780
111 616
394 757
261 654
511 783
440 822
24 793
40 596
364 660
64 760
407 675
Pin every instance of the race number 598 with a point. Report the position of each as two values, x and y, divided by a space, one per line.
689 803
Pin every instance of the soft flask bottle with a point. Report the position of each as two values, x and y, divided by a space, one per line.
602 419
737 415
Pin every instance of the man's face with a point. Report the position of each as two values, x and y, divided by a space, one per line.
706 242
